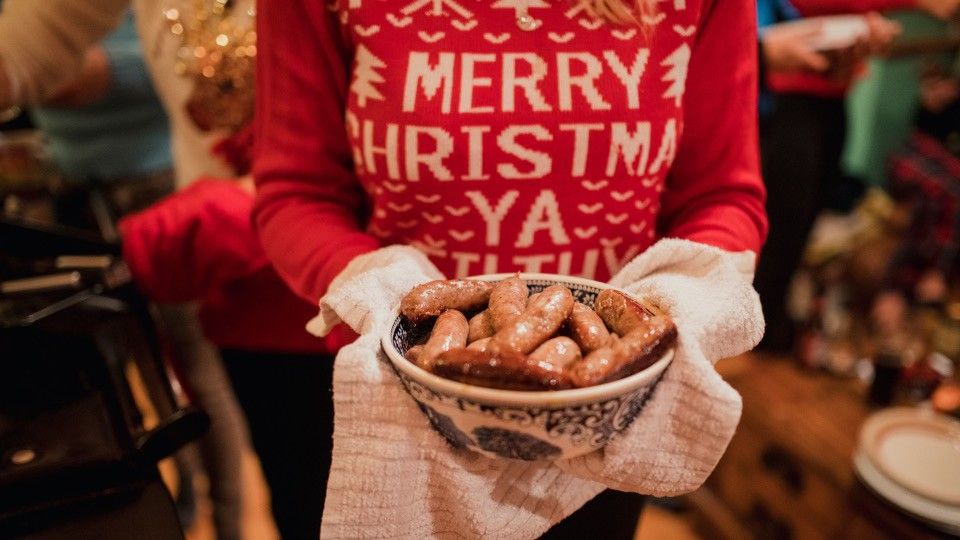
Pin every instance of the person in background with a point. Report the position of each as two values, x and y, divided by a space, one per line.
802 128
42 46
270 358
925 174
199 245
109 132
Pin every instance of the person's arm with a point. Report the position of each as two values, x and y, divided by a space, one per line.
42 44
714 193
91 84
192 242
115 68
785 47
309 201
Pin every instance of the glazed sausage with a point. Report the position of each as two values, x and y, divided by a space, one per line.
413 353
480 326
587 328
559 351
538 322
508 299
646 334
509 371
449 332
479 345
432 298
632 353
621 313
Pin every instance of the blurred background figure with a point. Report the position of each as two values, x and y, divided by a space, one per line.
811 64
109 138
925 179
108 135
197 245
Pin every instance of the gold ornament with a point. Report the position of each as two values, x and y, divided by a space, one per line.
218 47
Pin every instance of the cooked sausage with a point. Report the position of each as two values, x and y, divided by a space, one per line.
413 353
634 352
559 351
507 301
587 328
480 326
432 298
449 332
538 322
509 371
479 345
647 333
621 313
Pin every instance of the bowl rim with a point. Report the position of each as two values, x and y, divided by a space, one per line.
523 398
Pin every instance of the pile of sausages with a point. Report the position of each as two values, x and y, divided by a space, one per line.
546 341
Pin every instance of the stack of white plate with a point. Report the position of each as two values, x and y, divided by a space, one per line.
911 458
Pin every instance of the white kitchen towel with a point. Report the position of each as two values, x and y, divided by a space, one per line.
393 476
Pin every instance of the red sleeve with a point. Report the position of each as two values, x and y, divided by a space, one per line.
192 242
309 201
714 193
813 8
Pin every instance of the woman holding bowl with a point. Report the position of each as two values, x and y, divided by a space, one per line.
505 135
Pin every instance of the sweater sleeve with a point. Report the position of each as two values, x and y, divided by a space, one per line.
813 8
714 193
42 43
309 201
192 242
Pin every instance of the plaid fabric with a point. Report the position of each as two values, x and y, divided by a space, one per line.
927 176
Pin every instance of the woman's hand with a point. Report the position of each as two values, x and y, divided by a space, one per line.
786 48
846 63
882 32
89 86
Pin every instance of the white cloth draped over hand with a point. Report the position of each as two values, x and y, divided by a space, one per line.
394 476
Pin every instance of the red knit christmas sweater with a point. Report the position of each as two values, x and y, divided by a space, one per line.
502 135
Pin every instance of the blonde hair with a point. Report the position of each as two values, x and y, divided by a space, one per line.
620 11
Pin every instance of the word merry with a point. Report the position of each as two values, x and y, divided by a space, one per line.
522 76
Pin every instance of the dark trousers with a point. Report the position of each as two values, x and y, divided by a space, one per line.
801 144
288 400
611 515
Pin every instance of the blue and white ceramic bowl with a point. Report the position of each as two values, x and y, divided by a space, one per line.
524 425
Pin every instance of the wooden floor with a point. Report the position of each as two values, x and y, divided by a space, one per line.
655 524
658 524
257 522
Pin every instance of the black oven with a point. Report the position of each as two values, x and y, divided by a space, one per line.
77 458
